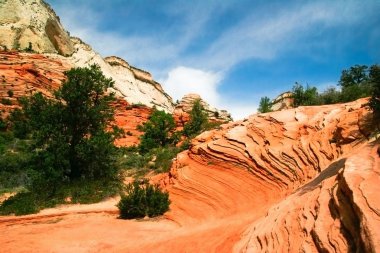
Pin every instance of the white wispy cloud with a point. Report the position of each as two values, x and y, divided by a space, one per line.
260 36
183 80
264 34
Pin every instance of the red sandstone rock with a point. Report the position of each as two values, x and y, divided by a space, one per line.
128 117
301 180
23 74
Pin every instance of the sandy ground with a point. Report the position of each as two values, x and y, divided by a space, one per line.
96 228
198 220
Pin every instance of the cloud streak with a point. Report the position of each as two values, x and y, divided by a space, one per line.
261 32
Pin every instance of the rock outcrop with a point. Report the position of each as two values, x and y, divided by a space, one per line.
338 211
282 102
33 24
183 108
22 74
301 180
300 150
128 117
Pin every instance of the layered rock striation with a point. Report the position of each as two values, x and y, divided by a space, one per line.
338 211
128 117
306 156
301 180
23 74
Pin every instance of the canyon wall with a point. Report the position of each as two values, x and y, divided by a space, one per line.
308 173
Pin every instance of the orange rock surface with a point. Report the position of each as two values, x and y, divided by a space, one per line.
22 74
128 117
301 180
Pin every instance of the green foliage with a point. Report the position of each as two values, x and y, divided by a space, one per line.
12 169
198 119
185 145
354 76
265 105
79 191
10 93
301 96
14 158
19 122
355 83
157 131
6 101
143 200
68 133
86 192
132 159
157 159
20 204
71 153
329 96
164 158
374 103
3 123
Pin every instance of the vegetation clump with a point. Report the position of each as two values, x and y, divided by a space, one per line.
265 105
70 142
198 120
374 77
356 82
143 200
158 131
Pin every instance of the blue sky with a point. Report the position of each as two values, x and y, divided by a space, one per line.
230 52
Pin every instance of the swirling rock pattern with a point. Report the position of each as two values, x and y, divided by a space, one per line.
301 180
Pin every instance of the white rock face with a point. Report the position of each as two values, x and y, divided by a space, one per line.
134 85
34 21
283 101
24 22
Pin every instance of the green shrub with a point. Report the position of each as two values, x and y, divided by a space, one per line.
6 101
3 123
198 119
143 200
80 191
10 93
158 131
20 204
304 96
133 159
374 77
265 105
14 157
164 158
